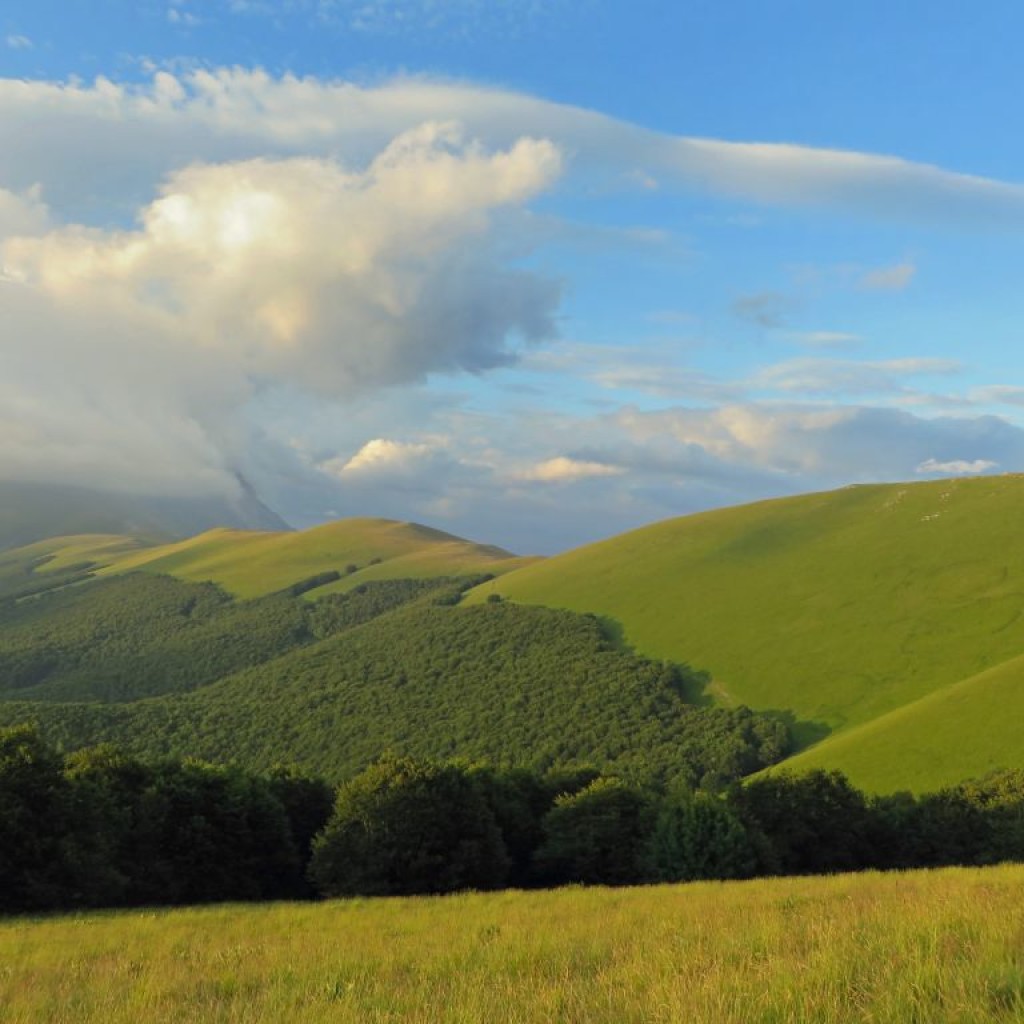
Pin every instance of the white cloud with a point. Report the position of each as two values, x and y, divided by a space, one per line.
847 377
142 130
452 18
185 19
955 467
665 382
306 271
241 275
380 455
563 469
18 42
1004 394
179 254
827 446
21 214
889 279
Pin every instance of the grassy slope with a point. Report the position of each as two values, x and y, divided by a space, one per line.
61 553
251 563
961 731
841 607
939 947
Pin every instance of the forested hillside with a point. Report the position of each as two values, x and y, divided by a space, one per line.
165 667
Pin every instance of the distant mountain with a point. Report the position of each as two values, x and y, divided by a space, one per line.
889 618
34 511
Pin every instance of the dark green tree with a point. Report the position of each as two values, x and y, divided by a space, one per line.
403 827
207 833
697 835
815 823
34 822
307 802
597 835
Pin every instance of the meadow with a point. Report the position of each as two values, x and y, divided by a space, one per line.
926 947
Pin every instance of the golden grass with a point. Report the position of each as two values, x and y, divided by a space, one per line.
901 948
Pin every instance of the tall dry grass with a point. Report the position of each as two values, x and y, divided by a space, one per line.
925 947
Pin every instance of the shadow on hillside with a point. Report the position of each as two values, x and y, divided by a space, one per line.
614 632
697 687
803 733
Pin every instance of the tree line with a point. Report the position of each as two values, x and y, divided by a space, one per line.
99 828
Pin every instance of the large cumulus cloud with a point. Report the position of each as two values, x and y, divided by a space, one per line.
294 272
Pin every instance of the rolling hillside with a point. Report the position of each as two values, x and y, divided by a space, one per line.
961 731
161 666
252 563
885 622
249 563
889 616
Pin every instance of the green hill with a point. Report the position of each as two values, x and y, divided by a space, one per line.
965 730
250 563
865 605
886 622
253 563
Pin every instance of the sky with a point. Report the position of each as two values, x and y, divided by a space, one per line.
531 271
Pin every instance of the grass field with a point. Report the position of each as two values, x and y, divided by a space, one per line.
840 607
916 948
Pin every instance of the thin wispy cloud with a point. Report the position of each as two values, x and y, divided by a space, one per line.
956 467
250 113
888 279
846 378
825 339
563 469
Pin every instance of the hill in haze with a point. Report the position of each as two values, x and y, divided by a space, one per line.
36 511
889 616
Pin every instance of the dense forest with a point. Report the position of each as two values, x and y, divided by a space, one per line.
100 828
172 669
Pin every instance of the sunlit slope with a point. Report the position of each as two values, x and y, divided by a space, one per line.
965 730
58 554
251 563
839 606
57 562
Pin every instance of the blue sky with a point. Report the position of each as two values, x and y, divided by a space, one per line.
533 271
